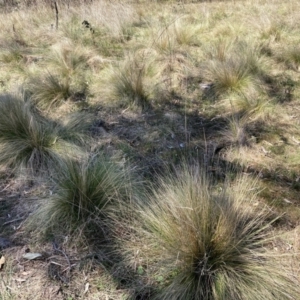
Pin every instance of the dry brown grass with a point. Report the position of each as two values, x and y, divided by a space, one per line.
161 81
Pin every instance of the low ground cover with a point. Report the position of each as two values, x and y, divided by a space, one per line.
105 105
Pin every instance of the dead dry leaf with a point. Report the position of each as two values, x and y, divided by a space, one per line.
86 288
287 201
31 256
20 279
2 262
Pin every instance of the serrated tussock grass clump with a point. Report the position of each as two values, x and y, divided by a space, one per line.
164 41
66 78
235 132
252 103
27 139
233 67
12 54
194 240
269 29
291 56
68 59
186 32
74 30
85 192
130 81
75 128
49 90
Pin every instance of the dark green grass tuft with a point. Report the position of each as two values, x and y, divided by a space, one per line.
85 193
29 140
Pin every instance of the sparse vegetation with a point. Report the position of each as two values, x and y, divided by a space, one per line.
107 89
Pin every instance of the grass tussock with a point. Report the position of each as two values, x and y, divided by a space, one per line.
66 79
291 56
75 127
252 104
171 37
152 83
196 241
130 82
233 67
84 193
236 133
68 59
49 90
29 140
186 32
12 54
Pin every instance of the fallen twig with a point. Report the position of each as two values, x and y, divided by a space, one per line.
12 221
55 247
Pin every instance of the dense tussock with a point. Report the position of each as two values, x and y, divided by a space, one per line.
195 240
113 94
